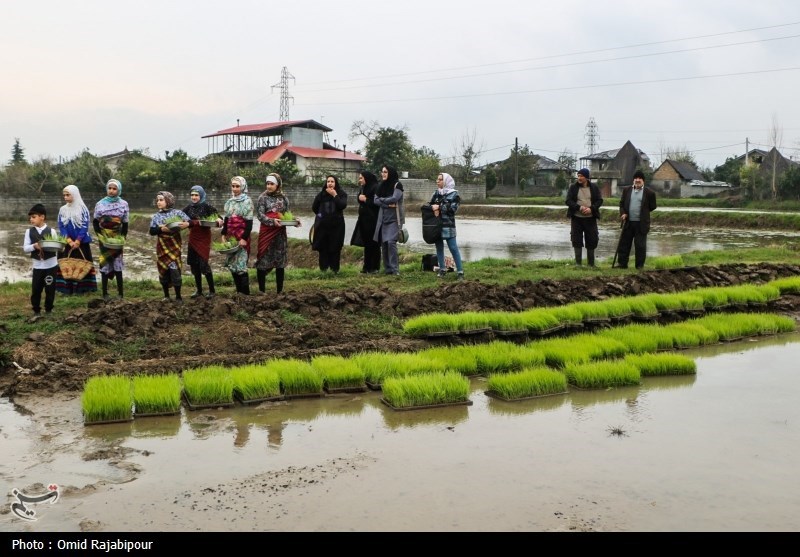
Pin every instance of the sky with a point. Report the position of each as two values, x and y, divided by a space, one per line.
705 76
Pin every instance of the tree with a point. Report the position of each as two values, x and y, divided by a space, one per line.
789 183
363 130
179 171
678 154
729 171
286 168
491 178
751 181
776 138
138 173
390 146
17 153
87 171
466 152
426 163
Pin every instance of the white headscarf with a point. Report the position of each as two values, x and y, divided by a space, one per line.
449 183
75 211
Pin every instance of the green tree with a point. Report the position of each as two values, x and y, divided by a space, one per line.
179 171
138 173
287 169
751 181
17 153
87 171
491 178
44 176
729 171
215 173
789 183
390 146
426 164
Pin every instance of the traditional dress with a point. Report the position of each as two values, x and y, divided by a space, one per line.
199 236
168 245
273 242
112 214
73 222
238 223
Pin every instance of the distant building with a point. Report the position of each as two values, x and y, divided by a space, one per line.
613 170
300 141
681 179
115 160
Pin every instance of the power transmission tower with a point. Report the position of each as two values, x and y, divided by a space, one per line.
591 136
283 85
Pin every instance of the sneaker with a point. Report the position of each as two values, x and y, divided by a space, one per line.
35 318
166 299
210 295
460 276
178 300
441 273
106 298
197 294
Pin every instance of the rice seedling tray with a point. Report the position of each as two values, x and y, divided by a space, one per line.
757 305
645 318
250 401
288 223
102 422
304 395
51 245
545 332
595 320
692 312
373 386
510 332
354 389
434 334
155 414
479 331
192 406
621 318
498 396
427 406
731 339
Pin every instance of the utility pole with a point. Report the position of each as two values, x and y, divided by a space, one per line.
591 136
283 85
516 166
746 151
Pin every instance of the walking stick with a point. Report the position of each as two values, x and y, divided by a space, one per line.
619 241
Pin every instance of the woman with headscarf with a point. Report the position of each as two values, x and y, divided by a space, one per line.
367 219
273 243
391 216
328 206
238 225
445 203
200 240
73 222
168 245
111 216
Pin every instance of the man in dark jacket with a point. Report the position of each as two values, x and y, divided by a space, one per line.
634 207
583 209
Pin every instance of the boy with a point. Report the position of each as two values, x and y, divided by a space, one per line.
45 262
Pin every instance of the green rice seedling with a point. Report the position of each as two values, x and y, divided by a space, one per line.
412 363
109 240
568 316
287 215
495 357
208 385
107 398
766 323
255 382
729 326
170 220
226 245
636 338
297 377
666 262
431 323
426 390
642 307
539 320
704 335
714 297
55 236
453 359
530 382
681 337
558 352
471 321
338 372
690 301
602 374
742 294
665 302
592 310
787 285
618 307
770 292
375 364
212 218
662 364
157 394
502 321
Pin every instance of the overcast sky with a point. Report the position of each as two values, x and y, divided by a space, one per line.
700 75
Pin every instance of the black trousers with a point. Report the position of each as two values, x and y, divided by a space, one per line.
43 279
330 260
372 256
632 235
584 230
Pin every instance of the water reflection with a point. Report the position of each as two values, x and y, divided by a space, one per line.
157 426
509 408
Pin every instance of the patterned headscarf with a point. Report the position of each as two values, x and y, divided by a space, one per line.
201 191
115 198
75 211
449 183
242 182
275 178
168 197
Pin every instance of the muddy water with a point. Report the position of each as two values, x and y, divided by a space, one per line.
477 239
713 452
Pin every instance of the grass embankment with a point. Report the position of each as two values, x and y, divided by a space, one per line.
705 203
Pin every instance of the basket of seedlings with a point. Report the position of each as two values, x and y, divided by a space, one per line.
107 399
208 387
254 384
287 219
173 223
426 390
111 242
535 382
53 242
156 395
211 221
227 247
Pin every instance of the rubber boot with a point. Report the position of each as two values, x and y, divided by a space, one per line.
165 288
120 290
198 284
211 288
178 298
578 256
279 275
104 281
261 275
245 283
590 257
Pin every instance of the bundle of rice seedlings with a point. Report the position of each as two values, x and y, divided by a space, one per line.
787 285
530 382
636 338
714 297
499 356
602 374
338 372
558 352
157 394
255 382
426 390
642 307
506 321
666 262
297 376
431 323
770 292
662 364
665 302
681 337
453 359
728 327
742 294
286 215
226 245
568 316
704 335
208 385
592 311
375 365
691 302
55 236
111 240
472 321
107 398
540 320
618 308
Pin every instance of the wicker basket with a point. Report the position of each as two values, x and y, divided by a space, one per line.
73 268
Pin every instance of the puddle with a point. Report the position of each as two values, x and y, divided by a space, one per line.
713 452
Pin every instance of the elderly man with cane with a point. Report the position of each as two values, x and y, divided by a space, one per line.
635 206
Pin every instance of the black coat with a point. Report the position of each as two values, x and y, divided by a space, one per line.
329 220
648 204
572 200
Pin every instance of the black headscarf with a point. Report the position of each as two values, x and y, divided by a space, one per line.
369 178
387 186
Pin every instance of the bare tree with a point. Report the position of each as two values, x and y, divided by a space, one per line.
466 152
363 130
775 139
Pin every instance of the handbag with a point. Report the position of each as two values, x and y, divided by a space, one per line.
402 231
431 225
357 239
73 268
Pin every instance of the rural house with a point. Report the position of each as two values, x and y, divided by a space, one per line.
613 170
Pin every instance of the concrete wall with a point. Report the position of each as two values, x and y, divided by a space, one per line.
416 191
